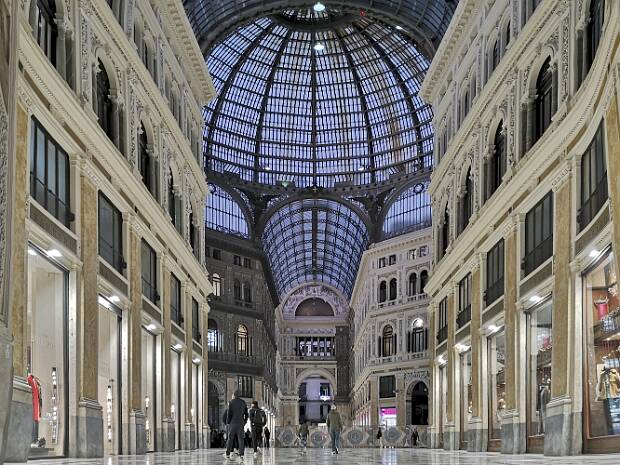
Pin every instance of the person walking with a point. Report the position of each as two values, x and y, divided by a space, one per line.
236 418
267 434
334 425
303 436
415 437
258 419
380 437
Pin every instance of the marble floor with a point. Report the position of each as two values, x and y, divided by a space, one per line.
346 457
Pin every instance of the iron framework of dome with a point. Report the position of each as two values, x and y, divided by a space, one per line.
348 114
317 143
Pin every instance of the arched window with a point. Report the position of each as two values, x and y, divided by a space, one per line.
544 99
444 233
216 282
382 291
494 57
423 280
247 292
237 289
594 31
174 206
393 286
466 204
507 35
497 164
46 30
243 341
464 105
224 214
388 344
419 404
144 159
194 240
104 101
214 338
413 284
410 211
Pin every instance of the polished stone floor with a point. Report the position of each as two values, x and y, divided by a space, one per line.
346 457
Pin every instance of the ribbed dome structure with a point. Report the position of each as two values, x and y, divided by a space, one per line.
317 99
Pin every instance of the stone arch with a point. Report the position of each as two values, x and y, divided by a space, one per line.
315 371
424 409
547 52
100 55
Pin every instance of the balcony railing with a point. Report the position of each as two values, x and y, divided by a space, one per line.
593 204
442 334
537 255
463 317
494 291
233 358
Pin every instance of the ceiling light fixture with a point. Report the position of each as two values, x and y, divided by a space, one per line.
115 298
492 328
32 252
177 346
103 302
55 253
399 28
196 360
151 327
594 253
318 7
535 299
319 47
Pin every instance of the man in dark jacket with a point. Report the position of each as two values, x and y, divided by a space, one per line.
236 418
258 419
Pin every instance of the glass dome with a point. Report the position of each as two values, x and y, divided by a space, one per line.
321 99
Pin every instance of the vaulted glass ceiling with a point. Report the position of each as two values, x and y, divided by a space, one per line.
348 113
315 240
314 102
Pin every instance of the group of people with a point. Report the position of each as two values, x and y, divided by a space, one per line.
235 418
415 437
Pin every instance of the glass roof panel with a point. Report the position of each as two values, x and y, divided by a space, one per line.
286 112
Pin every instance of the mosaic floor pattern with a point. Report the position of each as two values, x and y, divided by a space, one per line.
346 457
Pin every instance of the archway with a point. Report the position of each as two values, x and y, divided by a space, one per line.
419 404
215 400
316 394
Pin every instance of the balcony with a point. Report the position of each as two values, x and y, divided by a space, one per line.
463 317
442 335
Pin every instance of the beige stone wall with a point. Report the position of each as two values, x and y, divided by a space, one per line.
476 344
135 320
612 131
452 357
510 317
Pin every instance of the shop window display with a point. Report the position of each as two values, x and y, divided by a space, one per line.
539 347
149 382
466 396
109 374
46 354
602 339
176 408
497 384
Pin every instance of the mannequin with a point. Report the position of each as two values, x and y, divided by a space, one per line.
607 390
544 395
37 406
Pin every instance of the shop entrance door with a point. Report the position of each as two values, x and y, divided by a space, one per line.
109 375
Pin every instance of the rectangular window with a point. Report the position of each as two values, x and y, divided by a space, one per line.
175 301
538 234
149 273
49 175
111 234
464 315
392 259
237 260
196 321
442 321
495 273
247 263
593 180
387 386
418 340
217 254
412 254
46 32
382 262
245 386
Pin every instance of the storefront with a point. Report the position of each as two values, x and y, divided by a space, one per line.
443 399
196 408
149 385
176 407
46 346
539 349
387 416
109 380
496 388
601 307
465 397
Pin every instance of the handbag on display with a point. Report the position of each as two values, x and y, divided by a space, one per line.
602 308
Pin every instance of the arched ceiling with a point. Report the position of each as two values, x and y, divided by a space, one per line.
291 116
425 20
